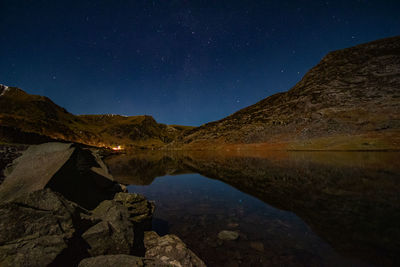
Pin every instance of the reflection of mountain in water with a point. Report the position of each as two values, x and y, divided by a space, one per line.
351 200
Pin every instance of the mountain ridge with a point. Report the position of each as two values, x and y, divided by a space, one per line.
24 116
349 101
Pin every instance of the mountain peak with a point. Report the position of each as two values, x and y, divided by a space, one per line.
3 89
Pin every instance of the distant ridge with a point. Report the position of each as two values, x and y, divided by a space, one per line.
26 118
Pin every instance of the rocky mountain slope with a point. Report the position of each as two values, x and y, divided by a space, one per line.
350 100
26 118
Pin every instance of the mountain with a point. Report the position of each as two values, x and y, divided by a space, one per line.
26 118
349 101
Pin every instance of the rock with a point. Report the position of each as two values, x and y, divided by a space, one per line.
141 210
34 169
170 250
257 246
75 172
114 234
121 230
233 225
112 261
120 260
228 235
41 228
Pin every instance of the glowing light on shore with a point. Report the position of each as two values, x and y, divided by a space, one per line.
117 148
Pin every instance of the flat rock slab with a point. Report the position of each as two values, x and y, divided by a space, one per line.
34 169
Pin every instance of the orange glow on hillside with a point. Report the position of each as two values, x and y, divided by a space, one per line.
117 148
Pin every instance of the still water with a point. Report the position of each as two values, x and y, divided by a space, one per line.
289 209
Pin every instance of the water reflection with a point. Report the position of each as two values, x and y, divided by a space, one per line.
290 208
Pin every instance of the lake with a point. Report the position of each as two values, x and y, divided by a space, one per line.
289 208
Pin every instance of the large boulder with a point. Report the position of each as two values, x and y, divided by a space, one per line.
34 169
41 228
74 171
114 234
121 227
170 250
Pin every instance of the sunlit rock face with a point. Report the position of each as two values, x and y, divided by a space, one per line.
350 100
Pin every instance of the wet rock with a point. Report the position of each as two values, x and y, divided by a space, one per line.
228 235
41 228
170 250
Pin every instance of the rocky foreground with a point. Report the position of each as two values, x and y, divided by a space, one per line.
40 226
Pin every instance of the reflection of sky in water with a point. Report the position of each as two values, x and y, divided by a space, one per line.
196 208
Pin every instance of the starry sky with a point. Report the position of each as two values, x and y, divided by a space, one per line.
183 62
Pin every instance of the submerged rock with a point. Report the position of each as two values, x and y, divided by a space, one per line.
228 235
257 246
170 250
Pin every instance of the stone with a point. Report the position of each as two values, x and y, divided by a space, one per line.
34 169
141 210
75 172
233 225
114 234
228 235
259 246
112 261
39 229
170 250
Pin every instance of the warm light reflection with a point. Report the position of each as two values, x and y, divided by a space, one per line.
117 148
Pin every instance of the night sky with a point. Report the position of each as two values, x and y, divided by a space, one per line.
183 62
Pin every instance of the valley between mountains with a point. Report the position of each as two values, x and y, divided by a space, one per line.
348 101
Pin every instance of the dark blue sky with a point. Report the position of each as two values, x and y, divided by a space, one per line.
183 62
